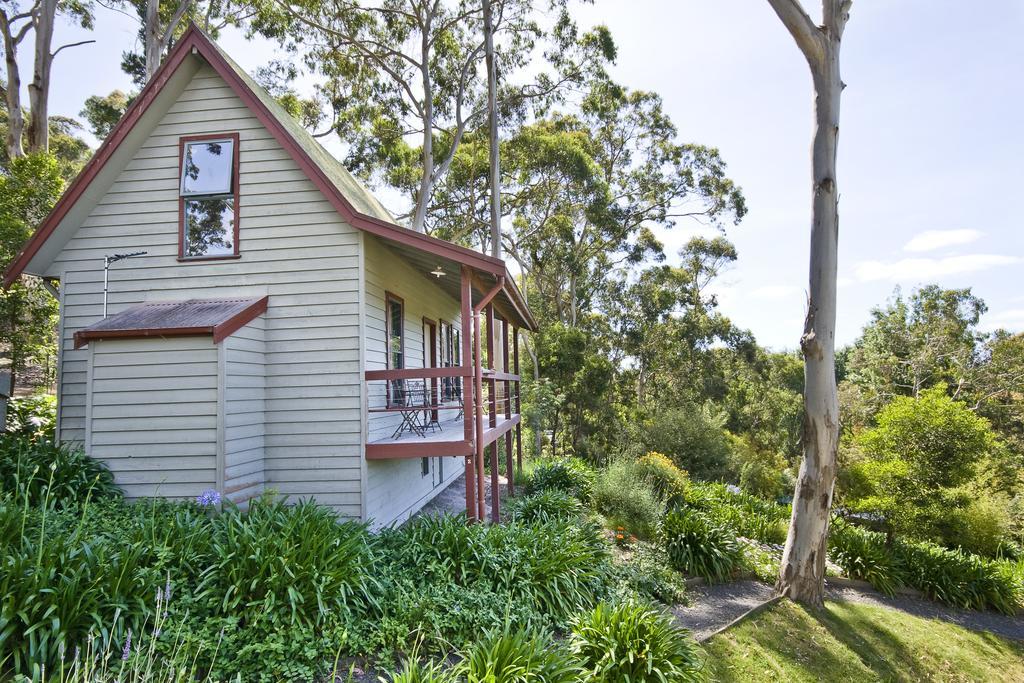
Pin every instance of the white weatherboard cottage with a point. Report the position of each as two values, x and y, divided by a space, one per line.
280 330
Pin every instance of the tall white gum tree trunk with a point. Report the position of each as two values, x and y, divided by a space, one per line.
492 129
802 574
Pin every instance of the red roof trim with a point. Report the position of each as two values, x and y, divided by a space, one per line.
227 328
220 331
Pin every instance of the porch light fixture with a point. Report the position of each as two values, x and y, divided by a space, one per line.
438 272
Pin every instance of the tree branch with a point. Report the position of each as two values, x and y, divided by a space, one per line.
800 25
835 14
165 39
64 47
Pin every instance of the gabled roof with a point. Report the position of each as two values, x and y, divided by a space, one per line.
218 317
356 205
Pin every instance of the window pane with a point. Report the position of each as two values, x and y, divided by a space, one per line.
395 342
207 167
210 227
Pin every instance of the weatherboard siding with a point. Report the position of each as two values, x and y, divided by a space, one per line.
294 247
153 414
244 387
397 488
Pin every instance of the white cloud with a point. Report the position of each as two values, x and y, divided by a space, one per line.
1011 319
916 269
930 240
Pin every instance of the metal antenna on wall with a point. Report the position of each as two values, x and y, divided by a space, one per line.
114 258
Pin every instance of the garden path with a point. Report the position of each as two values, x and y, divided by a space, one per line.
713 607
716 606
452 500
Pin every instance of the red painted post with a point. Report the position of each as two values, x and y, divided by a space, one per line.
492 388
478 375
491 384
467 390
519 391
508 409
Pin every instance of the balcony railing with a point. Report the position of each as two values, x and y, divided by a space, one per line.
422 412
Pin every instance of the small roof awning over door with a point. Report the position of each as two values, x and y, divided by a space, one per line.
217 317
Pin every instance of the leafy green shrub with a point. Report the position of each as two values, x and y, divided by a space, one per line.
32 417
761 472
416 671
516 655
669 482
646 571
632 642
569 475
540 507
960 578
57 585
762 561
950 576
698 546
449 581
694 437
35 471
984 526
748 516
862 555
287 564
623 495
920 461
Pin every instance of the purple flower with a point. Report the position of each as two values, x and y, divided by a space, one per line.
127 647
208 498
167 594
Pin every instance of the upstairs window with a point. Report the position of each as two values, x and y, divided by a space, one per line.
209 202
394 331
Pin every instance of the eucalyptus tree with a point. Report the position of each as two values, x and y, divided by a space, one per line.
666 324
402 78
29 187
18 21
802 573
493 156
161 22
918 342
103 112
584 190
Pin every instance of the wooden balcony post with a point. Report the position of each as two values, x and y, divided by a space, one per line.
478 376
491 384
508 409
519 392
492 390
478 362
466 360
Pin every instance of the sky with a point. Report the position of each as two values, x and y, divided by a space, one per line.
931 144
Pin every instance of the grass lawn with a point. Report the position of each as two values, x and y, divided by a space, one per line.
852 642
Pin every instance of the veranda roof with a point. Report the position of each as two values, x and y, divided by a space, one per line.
217 317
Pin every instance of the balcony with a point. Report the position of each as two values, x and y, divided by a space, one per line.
419 412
